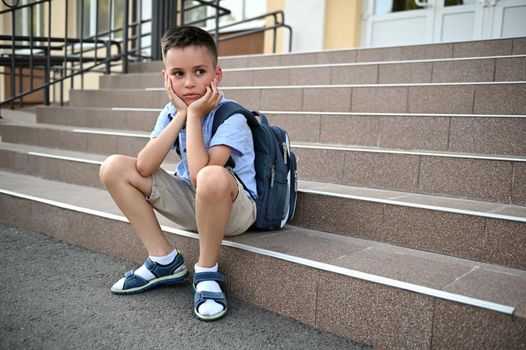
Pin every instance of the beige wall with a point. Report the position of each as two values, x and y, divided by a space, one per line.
342 29
275 5
342 24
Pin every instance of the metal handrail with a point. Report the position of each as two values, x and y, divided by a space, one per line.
71 58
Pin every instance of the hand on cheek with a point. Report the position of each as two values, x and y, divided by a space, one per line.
178 103
207 102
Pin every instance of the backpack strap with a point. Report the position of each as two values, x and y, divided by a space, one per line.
225 111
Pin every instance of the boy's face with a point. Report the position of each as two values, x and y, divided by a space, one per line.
190 70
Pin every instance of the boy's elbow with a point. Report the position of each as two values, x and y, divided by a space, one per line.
143 168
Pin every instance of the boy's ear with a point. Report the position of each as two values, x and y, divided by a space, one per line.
163 72
219 73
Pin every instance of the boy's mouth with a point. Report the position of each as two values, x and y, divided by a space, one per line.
192 96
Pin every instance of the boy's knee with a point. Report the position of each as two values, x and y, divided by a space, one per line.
214 182
112 168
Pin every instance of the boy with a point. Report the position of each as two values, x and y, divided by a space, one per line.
203 196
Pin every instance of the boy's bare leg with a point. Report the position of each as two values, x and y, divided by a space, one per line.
128 189
216 190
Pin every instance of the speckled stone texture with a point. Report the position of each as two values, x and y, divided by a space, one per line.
494 283
362 74
310 76
263 61
420 52
305 128
518 192
457 326
483 48
118 98
464 71
298 59
131 81
479 179
448 233
237 78
15 210
233 62
500 99
441 99
313 161
421 268
506 243
507 69
267 77
327 99
280 99
271 284
402 73
519 46
337 56
379 54
379 170
379 99
250 99
344 216
349 130
384 317
488 135
420 133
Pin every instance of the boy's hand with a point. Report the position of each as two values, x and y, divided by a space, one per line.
207 102
177 102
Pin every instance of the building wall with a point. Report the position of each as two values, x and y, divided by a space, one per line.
318 24
343 21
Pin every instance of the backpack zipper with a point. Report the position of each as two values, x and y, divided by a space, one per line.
285 153
272 175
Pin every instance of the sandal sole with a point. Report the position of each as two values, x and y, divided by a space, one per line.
166 280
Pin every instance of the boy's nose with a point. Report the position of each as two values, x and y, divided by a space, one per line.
189 82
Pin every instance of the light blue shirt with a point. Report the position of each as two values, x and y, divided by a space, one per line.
234 133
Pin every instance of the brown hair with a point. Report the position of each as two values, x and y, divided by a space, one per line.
182 37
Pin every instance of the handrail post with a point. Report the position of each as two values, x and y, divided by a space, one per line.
126 26
12 70
216 37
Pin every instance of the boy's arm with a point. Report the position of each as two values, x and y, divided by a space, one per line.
197 155
153 154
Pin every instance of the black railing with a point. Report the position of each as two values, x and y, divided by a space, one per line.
28 50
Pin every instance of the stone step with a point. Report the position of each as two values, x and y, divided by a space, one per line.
464 98
487 69
481 48
481 231
346 286
489 134
471 176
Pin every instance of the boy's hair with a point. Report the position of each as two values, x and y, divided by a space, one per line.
182 37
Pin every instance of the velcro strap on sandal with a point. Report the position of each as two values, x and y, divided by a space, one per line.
209 276
201 297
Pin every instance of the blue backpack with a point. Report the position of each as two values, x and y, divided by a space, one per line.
276 167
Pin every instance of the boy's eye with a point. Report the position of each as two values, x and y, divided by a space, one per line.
200 71
178 74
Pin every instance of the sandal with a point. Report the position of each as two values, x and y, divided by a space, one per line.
201 297
173 273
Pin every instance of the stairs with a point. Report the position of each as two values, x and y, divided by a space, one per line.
410 230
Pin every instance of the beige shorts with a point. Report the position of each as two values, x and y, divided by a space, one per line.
173 198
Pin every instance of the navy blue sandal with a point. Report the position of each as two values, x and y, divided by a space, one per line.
201 297
173 273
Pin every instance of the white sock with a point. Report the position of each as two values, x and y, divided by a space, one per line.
209 307
144 272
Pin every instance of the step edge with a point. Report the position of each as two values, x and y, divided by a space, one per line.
432 292
364 114
334 194
347 64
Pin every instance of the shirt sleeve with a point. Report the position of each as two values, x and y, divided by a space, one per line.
234 133
163 120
